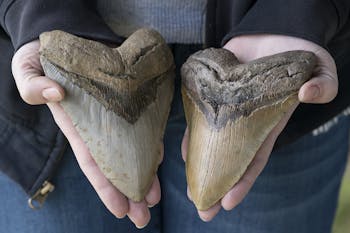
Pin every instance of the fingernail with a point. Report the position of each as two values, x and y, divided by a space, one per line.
150 206
312 93
189 194
315 90
141 227
204 217
120 216
52 94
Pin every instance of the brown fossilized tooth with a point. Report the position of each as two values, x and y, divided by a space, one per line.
230 109
118 100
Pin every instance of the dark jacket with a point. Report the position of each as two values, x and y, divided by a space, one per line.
31 144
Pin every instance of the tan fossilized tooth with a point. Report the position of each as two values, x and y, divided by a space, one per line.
230 109
118 100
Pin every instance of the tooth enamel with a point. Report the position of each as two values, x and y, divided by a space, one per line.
118 100
231 115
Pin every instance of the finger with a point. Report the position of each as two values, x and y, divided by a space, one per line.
139 213
161 153
114 200
33 87
38 89
184 144
189 194
240 190
209 214
323 87
153 196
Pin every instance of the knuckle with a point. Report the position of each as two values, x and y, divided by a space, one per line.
249 181
27 96
120 212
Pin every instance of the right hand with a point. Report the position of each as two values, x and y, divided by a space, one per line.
321 88
35 88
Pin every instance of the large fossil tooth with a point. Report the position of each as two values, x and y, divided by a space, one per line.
118 100
230 109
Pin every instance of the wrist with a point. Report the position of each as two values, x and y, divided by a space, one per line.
250 47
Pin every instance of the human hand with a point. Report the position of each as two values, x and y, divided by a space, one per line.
321 88
35 88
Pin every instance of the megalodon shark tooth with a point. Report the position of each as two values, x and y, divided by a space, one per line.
230 109
118 100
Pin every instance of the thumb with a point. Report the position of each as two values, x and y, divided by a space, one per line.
33 86
323 87
319 90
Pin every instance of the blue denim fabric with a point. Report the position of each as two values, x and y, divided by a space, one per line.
297 191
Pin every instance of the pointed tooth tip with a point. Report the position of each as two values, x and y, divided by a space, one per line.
202 204
203 198
202 190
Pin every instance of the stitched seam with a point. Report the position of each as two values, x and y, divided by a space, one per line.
338 14
38 180
5 13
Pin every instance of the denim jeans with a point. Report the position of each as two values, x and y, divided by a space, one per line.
296 192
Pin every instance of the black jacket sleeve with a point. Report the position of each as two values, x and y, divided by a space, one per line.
314 20
324 22
24 20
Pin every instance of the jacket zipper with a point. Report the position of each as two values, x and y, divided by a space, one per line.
36 201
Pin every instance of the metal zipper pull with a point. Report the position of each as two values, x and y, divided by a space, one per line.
37 200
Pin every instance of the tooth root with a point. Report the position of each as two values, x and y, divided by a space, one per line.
124 142
225 136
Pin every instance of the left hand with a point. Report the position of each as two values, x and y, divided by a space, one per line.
321 88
